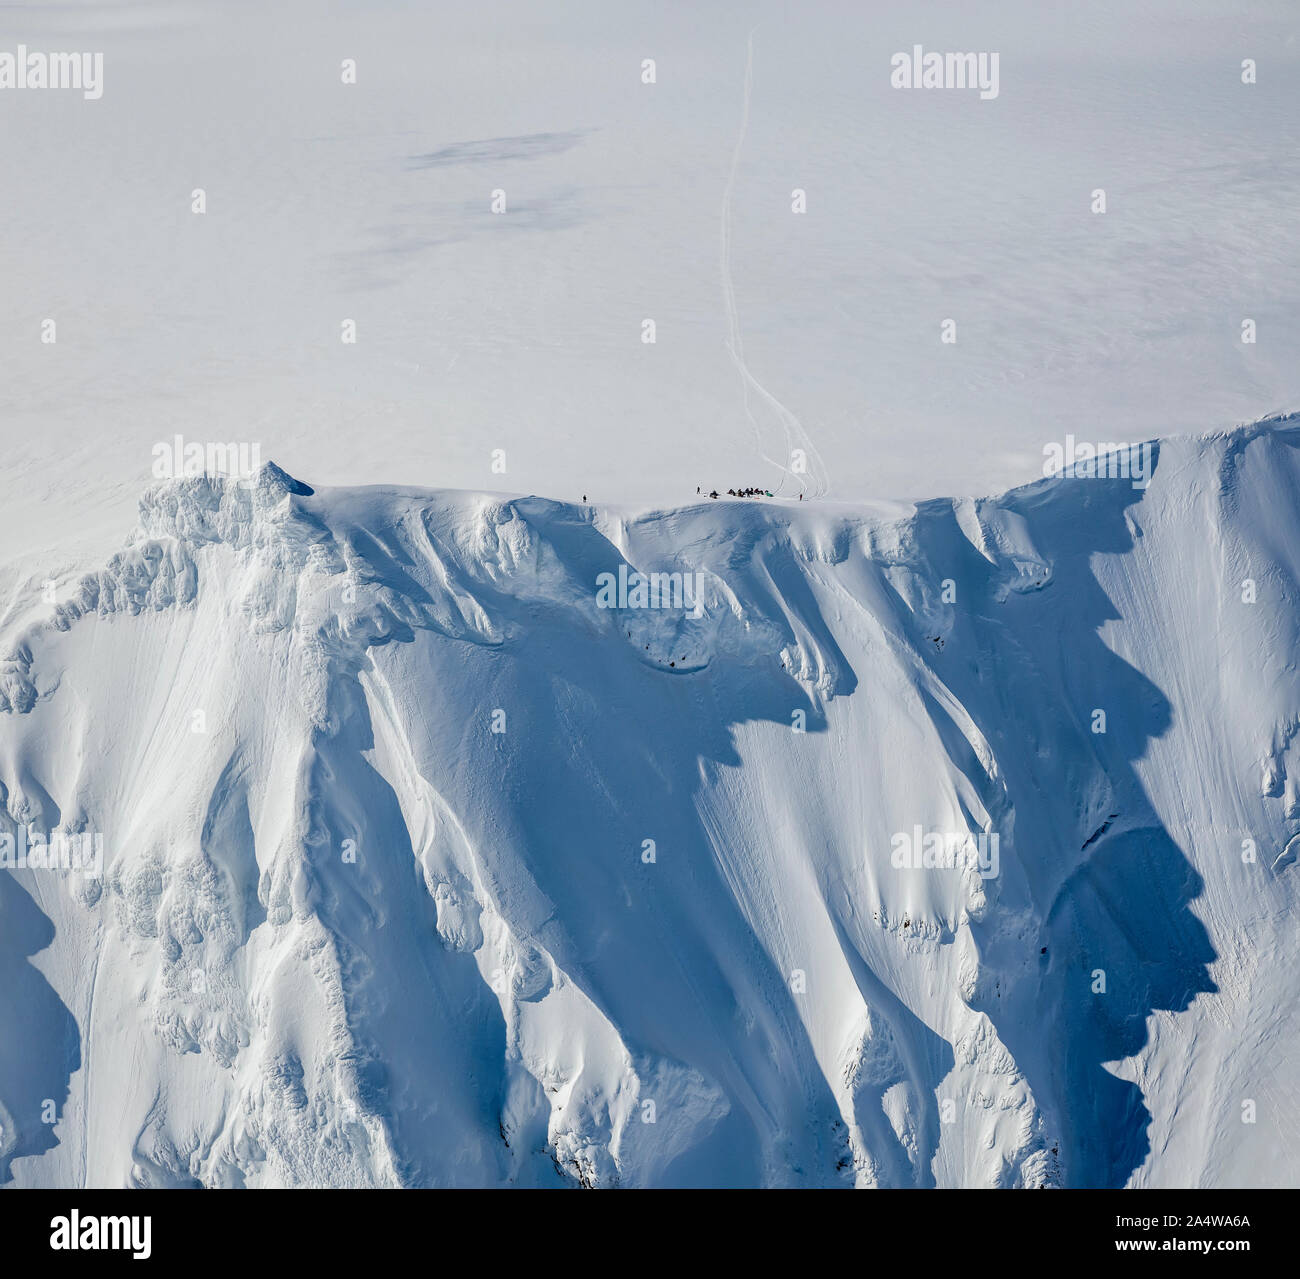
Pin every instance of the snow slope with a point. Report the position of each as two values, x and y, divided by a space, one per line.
349 934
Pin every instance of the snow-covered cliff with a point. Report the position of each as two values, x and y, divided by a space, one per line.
421 867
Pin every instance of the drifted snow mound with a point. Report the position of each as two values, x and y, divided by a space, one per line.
423 868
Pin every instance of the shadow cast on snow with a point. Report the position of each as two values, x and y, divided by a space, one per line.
1118 941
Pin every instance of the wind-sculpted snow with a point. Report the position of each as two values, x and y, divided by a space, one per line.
423 867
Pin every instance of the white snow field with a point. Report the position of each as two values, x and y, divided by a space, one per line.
625 201
375 776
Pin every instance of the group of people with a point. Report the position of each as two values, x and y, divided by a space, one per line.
749 492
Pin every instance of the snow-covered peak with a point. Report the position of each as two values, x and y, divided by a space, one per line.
464 838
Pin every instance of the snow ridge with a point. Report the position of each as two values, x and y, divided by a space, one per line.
424 868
